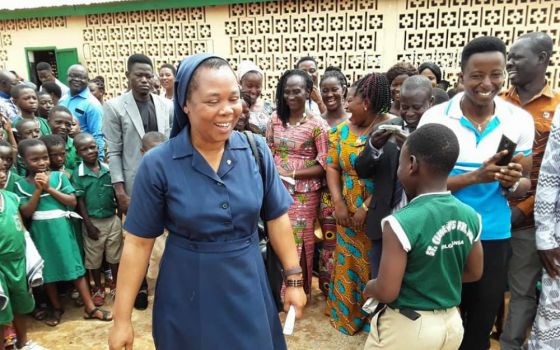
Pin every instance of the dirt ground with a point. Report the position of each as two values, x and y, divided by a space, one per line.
75 333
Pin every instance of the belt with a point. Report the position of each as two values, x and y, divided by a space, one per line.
416 314
212 247
54 214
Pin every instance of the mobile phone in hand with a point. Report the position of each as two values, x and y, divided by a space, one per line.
510 146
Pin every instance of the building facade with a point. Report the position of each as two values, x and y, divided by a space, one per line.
358 36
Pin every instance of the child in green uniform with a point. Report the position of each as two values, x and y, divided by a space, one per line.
60 122
47 199
56 146
430 247
45 104
7 158
15 298
97 205
26 99
25 129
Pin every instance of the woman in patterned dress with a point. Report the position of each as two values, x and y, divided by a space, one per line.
368 102
333 88
299 144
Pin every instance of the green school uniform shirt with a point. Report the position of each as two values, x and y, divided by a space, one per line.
13 177
12 239
44 127
72 159
96 189
437 231
21 168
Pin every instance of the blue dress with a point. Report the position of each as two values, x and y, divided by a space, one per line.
212 291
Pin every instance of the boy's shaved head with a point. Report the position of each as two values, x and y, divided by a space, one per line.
436 146
82 138
152 139
25 123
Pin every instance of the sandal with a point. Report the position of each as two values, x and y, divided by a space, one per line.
91 315
53 319
40 312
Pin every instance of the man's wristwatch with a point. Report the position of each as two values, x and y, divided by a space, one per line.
513 188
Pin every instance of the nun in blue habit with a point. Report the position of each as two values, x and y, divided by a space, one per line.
204 187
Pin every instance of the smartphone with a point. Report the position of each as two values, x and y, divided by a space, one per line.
510 146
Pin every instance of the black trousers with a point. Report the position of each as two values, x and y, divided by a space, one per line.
481 300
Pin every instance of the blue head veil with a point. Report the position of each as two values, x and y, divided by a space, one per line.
184 75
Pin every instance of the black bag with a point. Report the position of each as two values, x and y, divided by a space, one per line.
271 261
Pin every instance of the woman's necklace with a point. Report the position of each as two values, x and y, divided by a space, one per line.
301 121
359 141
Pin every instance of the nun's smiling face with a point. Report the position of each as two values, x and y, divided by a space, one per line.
214 105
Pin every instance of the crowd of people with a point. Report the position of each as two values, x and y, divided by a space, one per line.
416 205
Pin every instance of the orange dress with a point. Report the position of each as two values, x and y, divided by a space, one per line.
351 254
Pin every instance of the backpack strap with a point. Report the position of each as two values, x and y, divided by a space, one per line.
258 158
255 151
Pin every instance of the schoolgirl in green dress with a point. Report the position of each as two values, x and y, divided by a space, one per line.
47 200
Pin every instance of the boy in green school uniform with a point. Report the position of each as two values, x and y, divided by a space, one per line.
25 129
60 122
97 205
430 247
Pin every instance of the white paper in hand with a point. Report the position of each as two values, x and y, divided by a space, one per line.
289 180
290 321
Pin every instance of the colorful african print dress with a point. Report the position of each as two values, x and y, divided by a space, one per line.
299 147
328 244
351 254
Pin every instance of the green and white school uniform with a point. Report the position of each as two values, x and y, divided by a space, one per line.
437 231
52 231
13 177
14 291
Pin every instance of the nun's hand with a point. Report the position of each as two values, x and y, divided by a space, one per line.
295 296
121 336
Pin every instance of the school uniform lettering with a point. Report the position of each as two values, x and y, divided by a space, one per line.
450 226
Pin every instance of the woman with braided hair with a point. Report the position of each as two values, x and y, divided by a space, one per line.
299 143
368 102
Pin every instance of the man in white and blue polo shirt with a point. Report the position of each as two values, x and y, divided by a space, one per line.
479 119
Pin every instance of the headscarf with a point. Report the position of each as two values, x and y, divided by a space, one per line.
245 67
433 67
185 72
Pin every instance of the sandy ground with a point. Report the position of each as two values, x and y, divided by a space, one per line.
75 333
